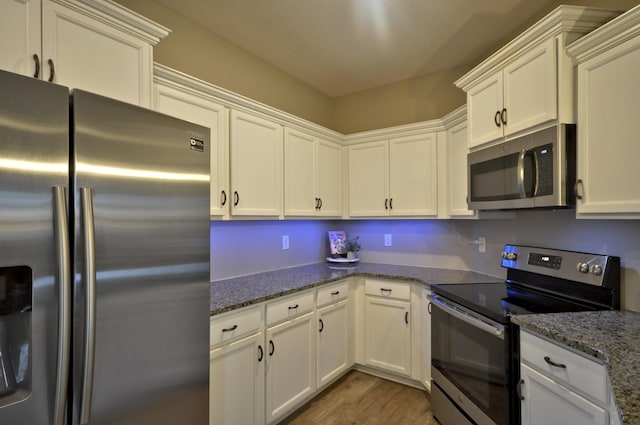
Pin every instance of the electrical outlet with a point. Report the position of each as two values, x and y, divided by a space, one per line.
285 241
482 244
387 239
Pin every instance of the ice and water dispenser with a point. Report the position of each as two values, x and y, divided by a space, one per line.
16 288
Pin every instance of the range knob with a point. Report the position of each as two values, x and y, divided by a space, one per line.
509 255
583 267
596 269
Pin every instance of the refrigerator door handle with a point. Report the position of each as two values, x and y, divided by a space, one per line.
86 199
61 231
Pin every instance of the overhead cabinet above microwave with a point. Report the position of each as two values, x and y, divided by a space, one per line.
528 84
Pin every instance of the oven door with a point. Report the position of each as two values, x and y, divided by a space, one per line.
470 363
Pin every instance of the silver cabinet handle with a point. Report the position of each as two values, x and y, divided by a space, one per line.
64 301
86 199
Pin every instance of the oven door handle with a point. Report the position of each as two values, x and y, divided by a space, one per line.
493 329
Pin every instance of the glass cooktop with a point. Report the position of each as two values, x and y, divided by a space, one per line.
500 300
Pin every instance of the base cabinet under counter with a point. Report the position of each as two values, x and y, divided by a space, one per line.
559 385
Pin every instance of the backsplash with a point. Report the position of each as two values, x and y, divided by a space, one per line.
246 247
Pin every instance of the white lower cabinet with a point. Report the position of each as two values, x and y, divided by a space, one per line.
387 329
290 365
559 386
548 402
332 342
236 374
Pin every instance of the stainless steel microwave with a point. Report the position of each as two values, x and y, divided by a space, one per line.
534 171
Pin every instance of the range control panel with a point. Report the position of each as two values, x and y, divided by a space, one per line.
581 267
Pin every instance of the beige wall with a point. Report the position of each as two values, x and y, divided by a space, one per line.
195 51
192 49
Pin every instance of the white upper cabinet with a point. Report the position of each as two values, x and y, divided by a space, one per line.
312 175
256 165
528 84
396 177
187 98
608 127
457 172
20 38
97 45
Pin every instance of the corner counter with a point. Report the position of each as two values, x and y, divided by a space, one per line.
612 337
230 294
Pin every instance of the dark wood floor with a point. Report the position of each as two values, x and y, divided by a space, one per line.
358 398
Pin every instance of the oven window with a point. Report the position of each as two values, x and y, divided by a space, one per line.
497 179
472 360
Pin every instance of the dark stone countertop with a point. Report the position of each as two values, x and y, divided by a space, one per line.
613 337
230 294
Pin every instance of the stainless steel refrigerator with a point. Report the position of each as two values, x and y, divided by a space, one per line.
104 261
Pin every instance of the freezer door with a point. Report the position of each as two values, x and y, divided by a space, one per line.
141 290
34 121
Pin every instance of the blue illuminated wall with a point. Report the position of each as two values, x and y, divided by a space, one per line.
245 247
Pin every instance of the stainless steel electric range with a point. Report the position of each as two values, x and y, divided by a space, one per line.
475 349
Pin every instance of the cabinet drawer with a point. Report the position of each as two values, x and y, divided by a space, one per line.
333 293
388 289
580 373
289 307
234 325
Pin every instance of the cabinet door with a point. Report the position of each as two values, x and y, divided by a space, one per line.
387 339
369 179
457 172
236 375
484 100
290 365
530 89
183 103
256 165
299 174
413 175
548 402
20 36
608 148
333 353
329 178
92 55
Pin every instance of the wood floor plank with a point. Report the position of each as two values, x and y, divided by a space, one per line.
362 399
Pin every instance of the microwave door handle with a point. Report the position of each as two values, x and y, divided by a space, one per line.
520 173
536 174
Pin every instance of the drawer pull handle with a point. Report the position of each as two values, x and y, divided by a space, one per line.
406 317
273 348
293 307
261 356
552 363
385 290
321 325
232 328
335 293
36 60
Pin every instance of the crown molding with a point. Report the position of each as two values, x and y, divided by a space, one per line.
179 80
118 16
564 19
608 36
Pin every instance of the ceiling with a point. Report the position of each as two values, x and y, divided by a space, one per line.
346 46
